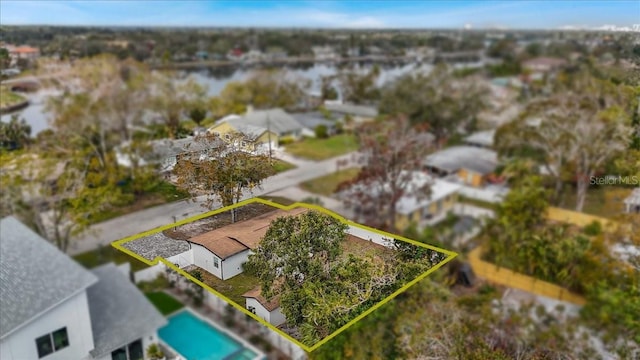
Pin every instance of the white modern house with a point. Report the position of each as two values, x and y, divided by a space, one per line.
52 308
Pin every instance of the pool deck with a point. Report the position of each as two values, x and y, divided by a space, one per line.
245 344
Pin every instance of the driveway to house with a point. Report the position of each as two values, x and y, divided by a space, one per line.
115 229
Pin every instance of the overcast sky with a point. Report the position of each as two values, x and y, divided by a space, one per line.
514 14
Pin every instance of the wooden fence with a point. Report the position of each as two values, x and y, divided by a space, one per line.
576 218
509 278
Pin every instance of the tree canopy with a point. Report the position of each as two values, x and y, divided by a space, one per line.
438 100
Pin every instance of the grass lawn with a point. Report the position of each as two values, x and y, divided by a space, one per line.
232 288
281 166
8 97
320 149
326 185
164 302
161 193
105 255
605 201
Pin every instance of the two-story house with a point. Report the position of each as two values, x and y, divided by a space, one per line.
52 308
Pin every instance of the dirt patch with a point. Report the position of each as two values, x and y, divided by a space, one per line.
362 248
216 221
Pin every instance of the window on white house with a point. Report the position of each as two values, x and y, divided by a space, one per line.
133 351
216 262
52 342
244 144
252 309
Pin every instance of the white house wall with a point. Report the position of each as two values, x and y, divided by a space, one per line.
232 266
277 318
203 258
72 314
260 311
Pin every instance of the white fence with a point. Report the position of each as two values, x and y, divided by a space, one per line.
370 235
181 260
488 194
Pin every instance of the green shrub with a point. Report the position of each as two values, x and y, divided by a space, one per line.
593 229
286 140
321 132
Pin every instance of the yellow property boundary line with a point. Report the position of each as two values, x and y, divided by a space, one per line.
118 245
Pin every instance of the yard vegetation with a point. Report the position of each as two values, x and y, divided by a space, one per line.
107 254
321 149
323 277
328 184
164 302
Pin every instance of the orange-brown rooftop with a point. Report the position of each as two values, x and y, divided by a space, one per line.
244 235
256 293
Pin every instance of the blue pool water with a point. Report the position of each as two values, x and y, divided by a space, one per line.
197 340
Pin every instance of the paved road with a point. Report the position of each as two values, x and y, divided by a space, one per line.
111 230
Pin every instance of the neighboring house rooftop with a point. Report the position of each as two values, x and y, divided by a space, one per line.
481 138
256 293
168 148
241 236
352 109
34 276
120 313
276 120
440 189
250 132
311 120
482 161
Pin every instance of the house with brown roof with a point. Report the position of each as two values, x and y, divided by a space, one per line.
223 251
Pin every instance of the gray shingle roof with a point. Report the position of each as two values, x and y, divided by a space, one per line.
279 121
168 148
481 138
480 160
352 109
250 132
120 313
34 275
312 119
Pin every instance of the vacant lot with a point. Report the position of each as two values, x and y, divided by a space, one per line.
327 185
321 149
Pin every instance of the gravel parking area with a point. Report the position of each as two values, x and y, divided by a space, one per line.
152 246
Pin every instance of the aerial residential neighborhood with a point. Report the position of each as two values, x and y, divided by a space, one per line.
319 180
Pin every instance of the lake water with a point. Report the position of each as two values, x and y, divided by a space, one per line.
215 79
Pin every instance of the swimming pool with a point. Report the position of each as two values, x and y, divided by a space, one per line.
196 339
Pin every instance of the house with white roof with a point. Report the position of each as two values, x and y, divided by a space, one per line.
52 308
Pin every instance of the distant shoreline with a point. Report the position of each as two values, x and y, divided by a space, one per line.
293 60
